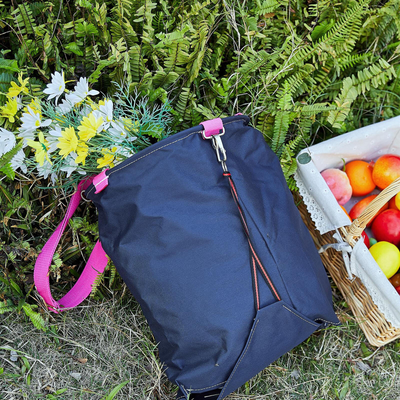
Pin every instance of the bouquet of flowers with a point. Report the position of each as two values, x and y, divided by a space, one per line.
77 135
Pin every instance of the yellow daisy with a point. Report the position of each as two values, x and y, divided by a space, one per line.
34 105
15 90
68 141
82 150
89 127
41 147
107 159
132 126
9 110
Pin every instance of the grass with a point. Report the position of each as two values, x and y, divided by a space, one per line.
105 350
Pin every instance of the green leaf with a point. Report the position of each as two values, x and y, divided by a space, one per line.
115 391
8 171
9 65
365 350
74 48
85 29
344 390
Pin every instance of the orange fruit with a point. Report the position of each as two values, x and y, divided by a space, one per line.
386 170
345 211
360 177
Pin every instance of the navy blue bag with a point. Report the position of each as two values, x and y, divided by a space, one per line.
215 251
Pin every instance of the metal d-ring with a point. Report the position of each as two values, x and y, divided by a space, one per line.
83 197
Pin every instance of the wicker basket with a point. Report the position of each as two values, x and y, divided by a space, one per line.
371 320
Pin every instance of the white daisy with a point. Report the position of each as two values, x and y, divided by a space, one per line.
26 135
19 102
66 105
31 121
45 171
7 141
81 91
18 161
52 137
85 110
124 152
106 111
119 132
70 165
56 87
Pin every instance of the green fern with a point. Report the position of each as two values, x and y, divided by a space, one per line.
36 319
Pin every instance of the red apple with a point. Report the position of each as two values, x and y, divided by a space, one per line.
366 239
361 205
398 289
386 227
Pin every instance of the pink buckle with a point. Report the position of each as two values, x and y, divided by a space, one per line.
100 181
212 128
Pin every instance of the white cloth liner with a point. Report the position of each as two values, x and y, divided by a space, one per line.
367 144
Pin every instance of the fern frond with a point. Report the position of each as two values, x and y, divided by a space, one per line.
268 6
199 48
281 127
7 307
24 20
347 95
7 157
137 63
35 317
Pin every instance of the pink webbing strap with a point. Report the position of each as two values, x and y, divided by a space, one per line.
94 266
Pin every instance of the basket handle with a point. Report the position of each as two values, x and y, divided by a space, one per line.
354 231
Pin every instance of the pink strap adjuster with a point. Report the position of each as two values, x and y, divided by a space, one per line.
100 181
212 128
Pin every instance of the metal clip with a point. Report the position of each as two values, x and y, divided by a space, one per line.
219 148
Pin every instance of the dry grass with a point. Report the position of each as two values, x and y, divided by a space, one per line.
91 350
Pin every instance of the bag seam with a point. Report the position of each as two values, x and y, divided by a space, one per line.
196 390
241 358
329 322
298 316
162 147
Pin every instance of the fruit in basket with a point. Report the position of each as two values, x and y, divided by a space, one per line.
360 206
372 241
386 227
360 177
397 200
394 202
395 280
387 256
386 170
345 211
339 184
366 239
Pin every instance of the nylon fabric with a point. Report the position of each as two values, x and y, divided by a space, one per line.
168 221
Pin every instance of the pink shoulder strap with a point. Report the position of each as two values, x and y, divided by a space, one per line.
94 266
